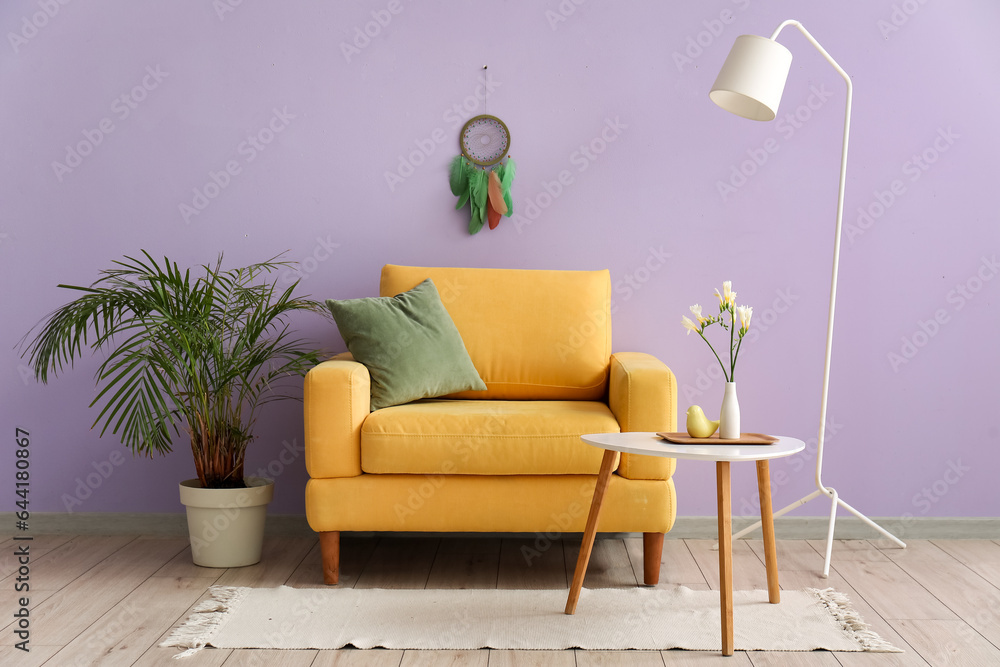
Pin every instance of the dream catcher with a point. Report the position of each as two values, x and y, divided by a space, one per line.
485 141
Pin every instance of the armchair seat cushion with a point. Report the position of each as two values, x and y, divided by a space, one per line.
482 437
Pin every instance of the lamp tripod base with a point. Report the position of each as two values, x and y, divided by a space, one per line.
835 501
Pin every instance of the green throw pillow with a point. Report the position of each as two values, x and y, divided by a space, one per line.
409 344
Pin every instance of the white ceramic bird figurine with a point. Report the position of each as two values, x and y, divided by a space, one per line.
698 425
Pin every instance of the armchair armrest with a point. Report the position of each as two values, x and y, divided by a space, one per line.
336 402
642 395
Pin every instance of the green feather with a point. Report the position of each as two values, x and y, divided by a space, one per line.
462 199
507 177
484 189
480 188
476 221
506 174
458 177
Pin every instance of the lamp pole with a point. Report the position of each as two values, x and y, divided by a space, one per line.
748 102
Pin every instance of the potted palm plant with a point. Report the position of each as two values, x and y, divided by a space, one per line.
199 354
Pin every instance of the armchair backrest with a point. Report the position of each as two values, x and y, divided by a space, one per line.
532 335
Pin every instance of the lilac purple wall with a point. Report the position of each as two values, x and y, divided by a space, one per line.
629 81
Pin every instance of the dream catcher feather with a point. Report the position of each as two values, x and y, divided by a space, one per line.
474 179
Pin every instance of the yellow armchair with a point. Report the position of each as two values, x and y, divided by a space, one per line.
508 459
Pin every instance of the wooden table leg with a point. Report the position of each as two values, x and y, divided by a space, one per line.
725 555
767 525
607 464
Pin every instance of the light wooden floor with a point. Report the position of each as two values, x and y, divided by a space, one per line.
111 600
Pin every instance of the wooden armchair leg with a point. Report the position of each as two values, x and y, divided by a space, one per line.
329 547
652 550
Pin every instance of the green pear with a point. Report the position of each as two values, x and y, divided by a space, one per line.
698 425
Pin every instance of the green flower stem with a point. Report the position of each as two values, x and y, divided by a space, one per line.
732 332
739 344
736 354
721 365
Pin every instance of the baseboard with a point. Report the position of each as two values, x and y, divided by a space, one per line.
698 527
849 528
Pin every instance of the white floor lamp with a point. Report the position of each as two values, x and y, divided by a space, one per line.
750 85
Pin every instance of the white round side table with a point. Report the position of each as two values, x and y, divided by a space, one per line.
650 444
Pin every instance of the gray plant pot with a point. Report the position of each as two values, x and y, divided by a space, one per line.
226 526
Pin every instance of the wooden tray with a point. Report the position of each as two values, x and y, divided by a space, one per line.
682 438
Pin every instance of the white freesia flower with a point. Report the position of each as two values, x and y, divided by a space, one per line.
728 296
696 309
746 312
727 304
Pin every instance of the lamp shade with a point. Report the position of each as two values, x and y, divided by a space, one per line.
752 78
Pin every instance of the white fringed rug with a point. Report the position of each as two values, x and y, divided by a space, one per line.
606 618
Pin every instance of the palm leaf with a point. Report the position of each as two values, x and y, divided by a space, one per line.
202 352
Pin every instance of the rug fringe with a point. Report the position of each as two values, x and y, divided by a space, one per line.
197 631
851 622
